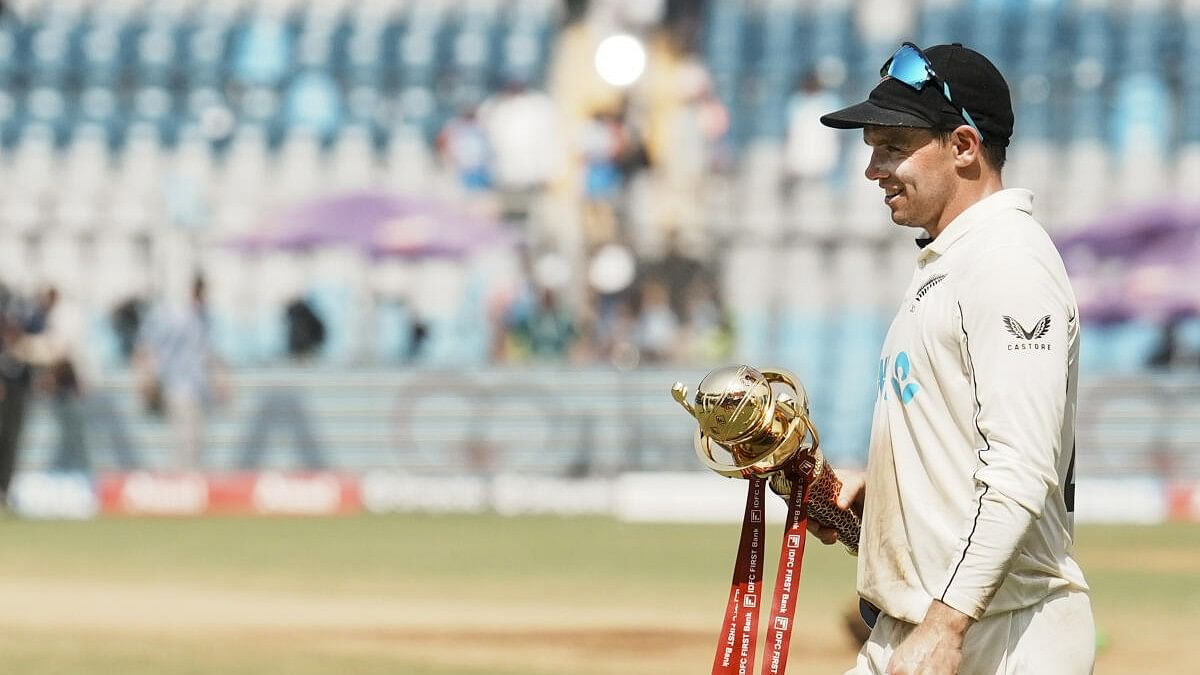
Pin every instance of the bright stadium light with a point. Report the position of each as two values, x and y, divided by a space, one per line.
620 60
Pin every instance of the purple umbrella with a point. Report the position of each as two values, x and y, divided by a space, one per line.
1126 233
1141 264
377 223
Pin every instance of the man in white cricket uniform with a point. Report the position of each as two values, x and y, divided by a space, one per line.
968 495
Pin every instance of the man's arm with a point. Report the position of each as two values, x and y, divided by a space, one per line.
1015 342
1014 321
850 498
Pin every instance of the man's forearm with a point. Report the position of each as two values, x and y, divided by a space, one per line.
947 620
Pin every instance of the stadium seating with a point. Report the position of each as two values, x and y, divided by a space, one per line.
190 122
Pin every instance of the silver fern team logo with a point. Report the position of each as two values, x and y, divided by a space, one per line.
1027 338
925 288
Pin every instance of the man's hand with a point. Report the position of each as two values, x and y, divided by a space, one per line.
935 645
850 498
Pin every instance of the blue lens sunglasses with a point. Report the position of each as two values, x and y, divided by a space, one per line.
910 66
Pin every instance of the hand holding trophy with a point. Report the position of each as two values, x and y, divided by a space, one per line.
768 435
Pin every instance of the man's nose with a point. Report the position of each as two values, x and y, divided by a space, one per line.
875 170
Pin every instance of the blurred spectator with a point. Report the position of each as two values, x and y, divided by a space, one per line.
676 270
548 331
15 381
619 343
603 147
658 331
611 273
706 331
305 330
883 24
811 151
176 360
1171 353
418 339
54 344
464 147
687 126
126 320
523 131
284 408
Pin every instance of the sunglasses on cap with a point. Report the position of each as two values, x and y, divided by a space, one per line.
910 66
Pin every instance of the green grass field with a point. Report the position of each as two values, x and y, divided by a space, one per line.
421 595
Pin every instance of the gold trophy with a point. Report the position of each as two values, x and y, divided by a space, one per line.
768 434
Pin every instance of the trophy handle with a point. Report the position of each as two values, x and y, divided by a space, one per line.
679 392
703 446
789 379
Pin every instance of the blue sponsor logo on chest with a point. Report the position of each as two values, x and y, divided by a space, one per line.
896 376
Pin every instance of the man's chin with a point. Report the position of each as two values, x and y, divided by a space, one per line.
905 222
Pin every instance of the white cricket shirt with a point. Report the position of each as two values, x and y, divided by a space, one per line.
970 469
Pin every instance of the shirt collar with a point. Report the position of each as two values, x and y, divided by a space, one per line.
976 214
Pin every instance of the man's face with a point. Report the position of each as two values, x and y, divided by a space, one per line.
916 172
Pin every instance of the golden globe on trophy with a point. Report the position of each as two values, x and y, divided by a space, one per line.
768 434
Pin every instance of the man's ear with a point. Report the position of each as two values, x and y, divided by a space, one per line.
967 145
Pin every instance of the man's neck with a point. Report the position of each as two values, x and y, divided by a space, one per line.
968 194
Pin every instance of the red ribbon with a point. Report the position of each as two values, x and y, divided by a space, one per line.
787 580
736 646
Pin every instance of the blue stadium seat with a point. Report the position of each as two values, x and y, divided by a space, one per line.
99 43
526 44
1189 78
1143 32
313 101
471 69
1039 72
723 50
49 48
10 66
98 106
939 24
989 29
12 119
363 66
1090 30
1141 114
779 70
48 106
206 49
262 52
157 55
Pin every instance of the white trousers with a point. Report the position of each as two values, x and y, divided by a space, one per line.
185 413
1054 637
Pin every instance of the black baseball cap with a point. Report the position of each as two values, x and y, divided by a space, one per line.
975 83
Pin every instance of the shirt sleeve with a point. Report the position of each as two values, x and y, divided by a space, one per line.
1015 317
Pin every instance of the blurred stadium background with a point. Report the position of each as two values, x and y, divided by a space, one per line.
455 253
